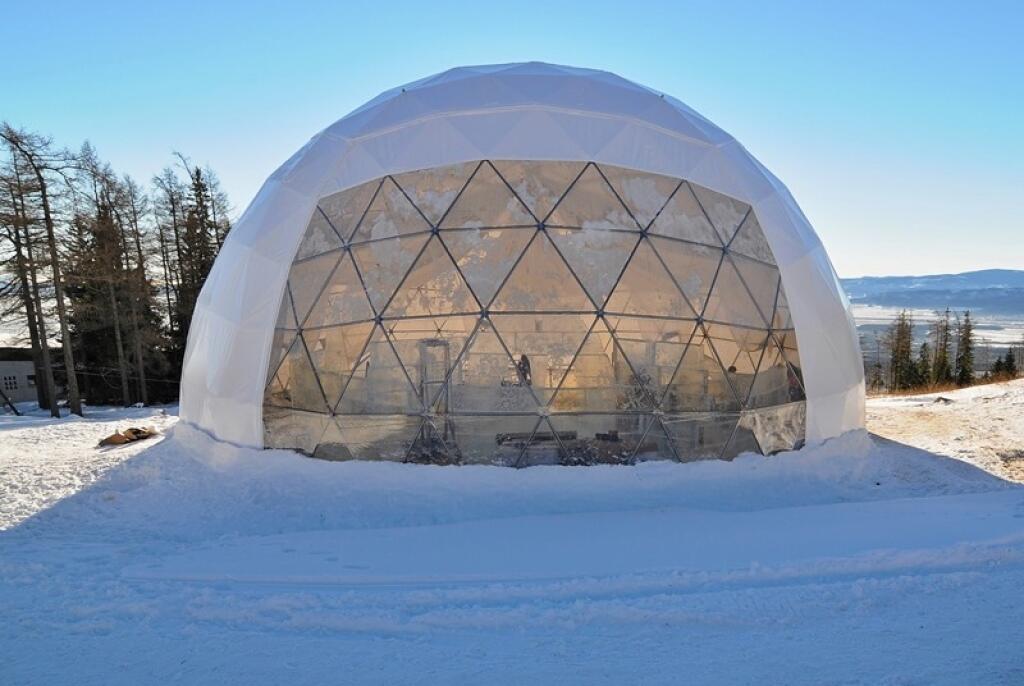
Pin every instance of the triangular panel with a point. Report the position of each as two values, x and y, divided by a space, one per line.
279 347
730 302
699 436
543 447
596 256
434 190
599 378
726 214
320 237
485 256
750 241
383 265
344 210
294 429
699 383
740 351
378 383
343 299
390 214
332 444
335 352
777 428
286 314
429 348
275 394
772 385
487 201
653 347
432 287
658 438
378 437
591 204
693 267
782 319
434 444
683 218
543 346
295 384
654 443
539 184
646 288
541 282
486 379
761 280
306 280
741 441
788 345
643 194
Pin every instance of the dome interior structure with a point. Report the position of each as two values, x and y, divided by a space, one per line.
533 312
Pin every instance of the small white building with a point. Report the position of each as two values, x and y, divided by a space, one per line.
18 380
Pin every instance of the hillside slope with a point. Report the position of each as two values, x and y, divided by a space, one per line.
983 425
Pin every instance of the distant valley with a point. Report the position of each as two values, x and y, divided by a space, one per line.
995 298
990 292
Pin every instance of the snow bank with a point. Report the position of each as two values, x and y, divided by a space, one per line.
193 485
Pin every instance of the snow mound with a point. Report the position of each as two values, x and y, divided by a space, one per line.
195 486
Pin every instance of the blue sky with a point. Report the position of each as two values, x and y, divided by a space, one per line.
898 126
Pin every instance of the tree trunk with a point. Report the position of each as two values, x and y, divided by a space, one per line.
28 303
42 348
74 400
216 226
140 365
168 284
122 365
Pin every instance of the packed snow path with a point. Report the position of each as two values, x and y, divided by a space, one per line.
862 561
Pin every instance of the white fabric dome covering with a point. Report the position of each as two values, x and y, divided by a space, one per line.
523 264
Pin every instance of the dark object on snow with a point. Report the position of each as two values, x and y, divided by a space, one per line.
1011 455
944 400
7 401
129 435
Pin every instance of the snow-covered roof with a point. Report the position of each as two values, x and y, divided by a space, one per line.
529 111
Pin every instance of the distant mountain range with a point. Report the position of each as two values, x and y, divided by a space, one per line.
989 291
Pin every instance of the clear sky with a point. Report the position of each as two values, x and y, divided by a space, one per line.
898 126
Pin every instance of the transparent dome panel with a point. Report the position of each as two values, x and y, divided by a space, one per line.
526 312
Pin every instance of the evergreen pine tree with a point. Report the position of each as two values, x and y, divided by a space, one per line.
877 382
942 370
1010 364
902 369
109 304
924 364
965 352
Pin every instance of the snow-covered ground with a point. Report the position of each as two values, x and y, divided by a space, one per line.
862 561
983 424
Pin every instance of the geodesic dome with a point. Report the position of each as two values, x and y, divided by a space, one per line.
523 264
